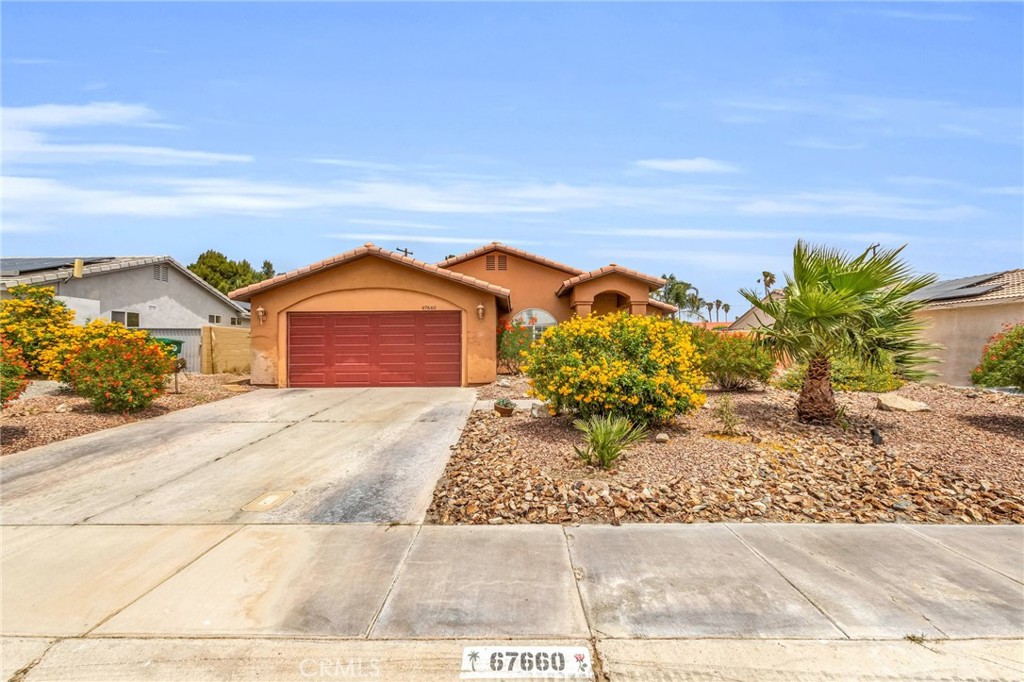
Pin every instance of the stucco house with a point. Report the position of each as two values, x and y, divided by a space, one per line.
962 314
372 317
148 292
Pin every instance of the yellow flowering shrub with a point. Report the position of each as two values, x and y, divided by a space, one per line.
32 320
53 361
644 368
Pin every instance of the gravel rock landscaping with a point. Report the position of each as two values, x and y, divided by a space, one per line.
30 422
960 462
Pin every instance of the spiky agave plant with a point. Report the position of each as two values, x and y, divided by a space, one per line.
837 304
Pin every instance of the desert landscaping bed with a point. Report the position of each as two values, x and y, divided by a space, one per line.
962 462
31 422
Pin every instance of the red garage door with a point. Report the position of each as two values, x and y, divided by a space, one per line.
375 349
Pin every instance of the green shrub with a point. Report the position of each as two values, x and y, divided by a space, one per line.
606 437
12 372
513 340
119 374
33 320
735 362
643 368
726 415
849 375
1002 361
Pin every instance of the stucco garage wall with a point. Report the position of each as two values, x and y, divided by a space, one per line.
372 284
963 331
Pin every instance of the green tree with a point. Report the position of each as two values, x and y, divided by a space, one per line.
682 295
718 307
226 275
838 305
725 309
768 280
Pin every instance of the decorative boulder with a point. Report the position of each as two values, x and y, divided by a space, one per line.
890 402
661 438
539 411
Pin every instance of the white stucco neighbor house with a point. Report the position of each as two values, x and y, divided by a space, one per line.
147 292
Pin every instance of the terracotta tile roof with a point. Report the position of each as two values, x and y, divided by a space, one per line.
504 248
1008 285
368 249
652 281
661 305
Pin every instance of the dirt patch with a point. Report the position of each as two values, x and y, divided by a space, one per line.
46 419
960 463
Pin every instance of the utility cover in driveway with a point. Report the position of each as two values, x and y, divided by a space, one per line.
405 348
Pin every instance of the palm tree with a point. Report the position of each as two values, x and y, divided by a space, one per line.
681 294
725 309
710 306
718 306
835 304
768 279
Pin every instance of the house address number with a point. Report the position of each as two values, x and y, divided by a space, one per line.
430 307
538 662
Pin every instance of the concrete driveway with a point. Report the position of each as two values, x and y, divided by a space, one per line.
323 456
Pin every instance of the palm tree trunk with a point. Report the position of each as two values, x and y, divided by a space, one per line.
817 402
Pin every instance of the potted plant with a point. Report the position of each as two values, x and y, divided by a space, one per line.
504 407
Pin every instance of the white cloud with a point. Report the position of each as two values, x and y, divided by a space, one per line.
699 164
398 223
703 260
944 17
859 204
27 133
824 143
32 197
424 239
351 163
888 116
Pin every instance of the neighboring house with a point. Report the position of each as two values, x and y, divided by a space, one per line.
963 313
711 326
148 292
754 318
371 317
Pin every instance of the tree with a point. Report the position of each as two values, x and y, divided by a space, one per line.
682 295
718 306
838 305
768 279
725 309
227 275
710 306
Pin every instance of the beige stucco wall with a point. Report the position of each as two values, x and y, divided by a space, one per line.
963 332
372 284
532 285
587 296
225 349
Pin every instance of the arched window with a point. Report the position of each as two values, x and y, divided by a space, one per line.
536 320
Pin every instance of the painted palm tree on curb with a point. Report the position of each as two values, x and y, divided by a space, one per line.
835 304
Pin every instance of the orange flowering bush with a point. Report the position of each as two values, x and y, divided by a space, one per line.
34 320
118 374
12 373
513 339
643 368
1002 361
53 360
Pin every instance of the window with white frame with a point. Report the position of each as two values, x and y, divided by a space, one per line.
128 319
536 320
236 322
214 319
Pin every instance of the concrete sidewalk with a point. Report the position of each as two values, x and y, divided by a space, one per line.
652 602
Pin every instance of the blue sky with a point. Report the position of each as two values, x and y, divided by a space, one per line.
694 138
